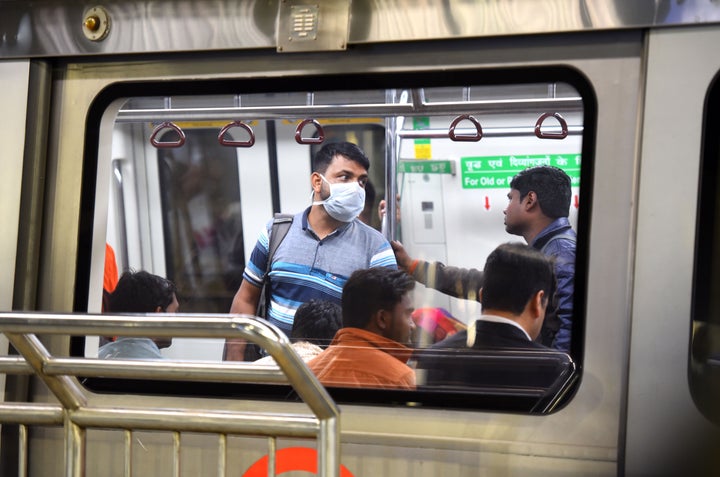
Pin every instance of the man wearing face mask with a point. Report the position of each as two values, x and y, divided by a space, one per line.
325 244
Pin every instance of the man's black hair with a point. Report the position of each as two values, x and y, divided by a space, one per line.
370 290
325 155
552 186
141 292
316 321
514 273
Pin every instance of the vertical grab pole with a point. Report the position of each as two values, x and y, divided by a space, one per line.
272 456
22 451
222 455
74 449
128 453
329 452
176 454
392 153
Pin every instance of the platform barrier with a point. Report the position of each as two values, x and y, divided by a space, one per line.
78 409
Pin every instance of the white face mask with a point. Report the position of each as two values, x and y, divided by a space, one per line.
346 201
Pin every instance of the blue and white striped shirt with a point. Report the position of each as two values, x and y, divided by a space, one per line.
305 267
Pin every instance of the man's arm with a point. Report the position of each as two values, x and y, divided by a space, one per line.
245 302
565 271
452 281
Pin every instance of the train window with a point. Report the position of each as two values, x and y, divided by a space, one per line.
704 369
192 171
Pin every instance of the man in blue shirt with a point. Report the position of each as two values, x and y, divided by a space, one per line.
324 245
538 209
140 292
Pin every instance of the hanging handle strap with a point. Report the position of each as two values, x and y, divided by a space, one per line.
167 144
309 140
563 127
465 137
232 143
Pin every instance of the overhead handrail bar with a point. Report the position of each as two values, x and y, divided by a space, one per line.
552 90
546 135
417 106
309 140
167 144
232 143
465 137
487 132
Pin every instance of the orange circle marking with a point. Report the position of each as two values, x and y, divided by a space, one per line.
291 458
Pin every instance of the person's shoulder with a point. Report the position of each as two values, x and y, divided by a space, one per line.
367 237
457 340
106 350
562 249
361 227
561 242
296 218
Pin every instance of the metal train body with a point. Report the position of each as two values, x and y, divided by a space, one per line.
646 72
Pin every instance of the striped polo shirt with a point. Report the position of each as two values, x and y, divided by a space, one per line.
305 267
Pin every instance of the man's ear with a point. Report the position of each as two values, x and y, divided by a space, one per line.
539 303
381 318
379 322
531 200
159 309
316 182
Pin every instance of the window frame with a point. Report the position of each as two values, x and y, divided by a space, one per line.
349 82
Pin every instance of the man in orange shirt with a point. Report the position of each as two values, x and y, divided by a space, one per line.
110 280
370 350
110 277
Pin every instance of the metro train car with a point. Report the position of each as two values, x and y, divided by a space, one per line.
172 131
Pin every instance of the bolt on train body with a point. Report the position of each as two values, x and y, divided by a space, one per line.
173 130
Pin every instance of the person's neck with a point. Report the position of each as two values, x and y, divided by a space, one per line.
536 227
522 320
321 222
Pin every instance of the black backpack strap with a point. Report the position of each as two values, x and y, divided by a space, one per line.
280 227
566 235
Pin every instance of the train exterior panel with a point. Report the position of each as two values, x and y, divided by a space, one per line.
647 74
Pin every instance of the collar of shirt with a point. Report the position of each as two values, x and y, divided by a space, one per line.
358 337
561 223
306 225
472 327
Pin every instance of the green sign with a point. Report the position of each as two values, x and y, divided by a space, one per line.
421 122
494 172
422 166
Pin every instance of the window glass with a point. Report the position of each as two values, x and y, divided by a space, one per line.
202 175
705 345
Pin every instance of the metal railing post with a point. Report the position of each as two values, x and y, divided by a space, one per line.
76 415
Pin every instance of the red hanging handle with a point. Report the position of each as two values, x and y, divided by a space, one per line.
309 140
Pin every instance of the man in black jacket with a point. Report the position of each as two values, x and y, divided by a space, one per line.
498 348
538 207
518 287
